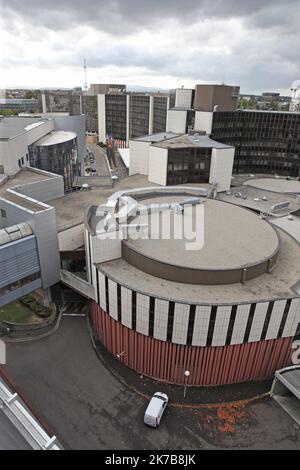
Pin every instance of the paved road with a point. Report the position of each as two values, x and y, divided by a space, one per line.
87 407
10 438
100 160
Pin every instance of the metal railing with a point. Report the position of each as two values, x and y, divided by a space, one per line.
16 411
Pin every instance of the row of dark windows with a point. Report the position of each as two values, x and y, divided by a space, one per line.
188 165
264 142
20 283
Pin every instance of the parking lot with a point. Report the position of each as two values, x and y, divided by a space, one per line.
89 407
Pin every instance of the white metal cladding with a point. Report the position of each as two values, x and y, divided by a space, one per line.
142 313
18 259
221 325
102 292
258 321
181 323
293 319
126 307
229 323
275 320
240 324
161 319
201 324
113 299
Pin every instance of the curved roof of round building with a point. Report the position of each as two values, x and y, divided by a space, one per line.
15 232
244 260
56 137
234 240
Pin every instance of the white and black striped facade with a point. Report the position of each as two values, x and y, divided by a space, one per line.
162 337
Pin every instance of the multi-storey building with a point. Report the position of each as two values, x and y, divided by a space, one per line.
264 141
109 109
131 115
41 142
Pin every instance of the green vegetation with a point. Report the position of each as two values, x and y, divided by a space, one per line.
35 307
31 94
16 312
25 310
9 112
250 103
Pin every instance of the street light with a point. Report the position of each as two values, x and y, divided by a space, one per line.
186 376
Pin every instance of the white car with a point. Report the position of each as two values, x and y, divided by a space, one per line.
155 409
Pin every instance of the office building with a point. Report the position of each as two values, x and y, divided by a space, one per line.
171 159
265 141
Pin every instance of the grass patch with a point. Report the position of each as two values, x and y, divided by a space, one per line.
16 312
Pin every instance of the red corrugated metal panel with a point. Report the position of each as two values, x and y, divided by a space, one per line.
166 361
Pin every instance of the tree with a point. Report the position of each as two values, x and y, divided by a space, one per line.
246 103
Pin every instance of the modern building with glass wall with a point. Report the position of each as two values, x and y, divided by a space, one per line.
265 141
56 153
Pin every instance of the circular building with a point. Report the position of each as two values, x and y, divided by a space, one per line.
56 152
188 283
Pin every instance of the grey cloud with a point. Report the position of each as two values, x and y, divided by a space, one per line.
266 56
119 15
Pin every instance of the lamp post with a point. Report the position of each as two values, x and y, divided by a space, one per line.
186 376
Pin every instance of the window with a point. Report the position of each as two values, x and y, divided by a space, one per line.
3 213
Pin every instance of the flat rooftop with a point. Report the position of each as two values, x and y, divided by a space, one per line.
71 208
276 285
156 137
252 198
24 176
10 127
196 140
245 239
277 185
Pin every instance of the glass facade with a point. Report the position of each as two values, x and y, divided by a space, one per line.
59 158
139 115
265 142
188 165
115 115
159 113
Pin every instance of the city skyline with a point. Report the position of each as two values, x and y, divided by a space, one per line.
158 46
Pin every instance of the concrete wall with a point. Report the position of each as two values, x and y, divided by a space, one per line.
139 157
158 164
71 239
176 121
221 168
203 121
47 241
13 149
183 98
101 118
15 214
78 284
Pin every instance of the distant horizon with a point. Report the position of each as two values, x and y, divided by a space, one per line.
141 88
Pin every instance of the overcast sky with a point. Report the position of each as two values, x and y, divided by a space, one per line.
157 43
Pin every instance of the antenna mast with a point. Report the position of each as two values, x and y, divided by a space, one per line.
85 87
